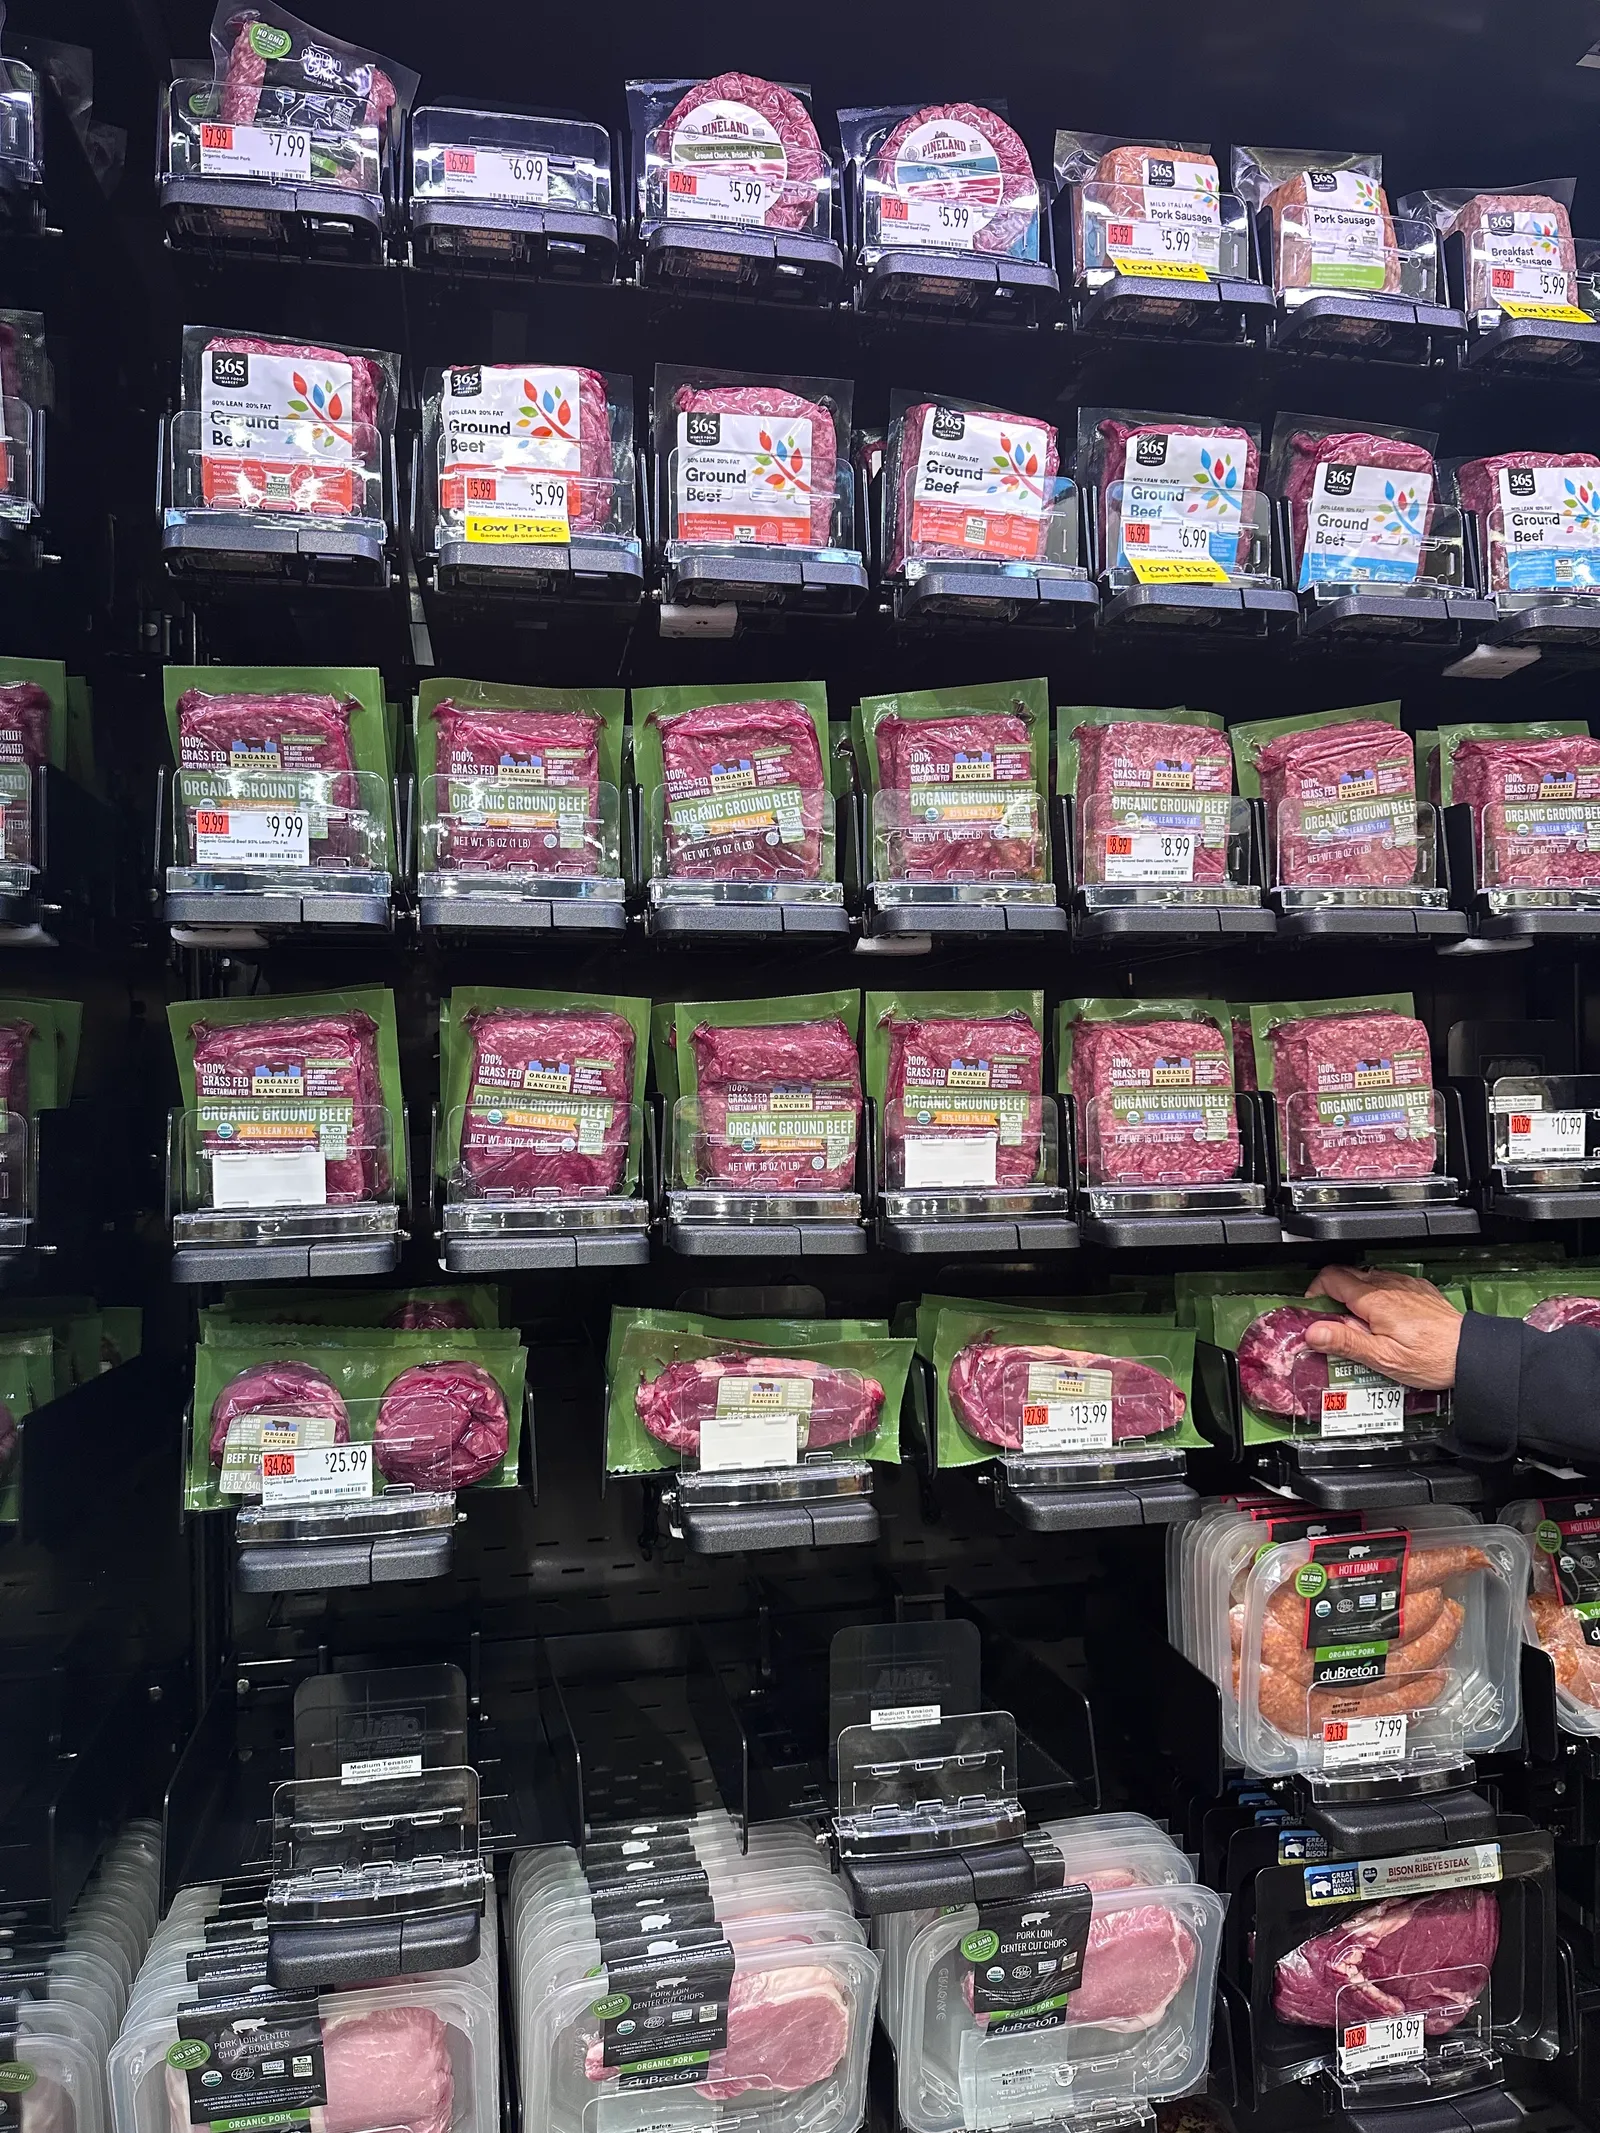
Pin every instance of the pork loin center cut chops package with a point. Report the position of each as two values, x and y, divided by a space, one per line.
1340 793
1140 205
286 425
1361 503
313 1076
1152 1088
1177 497
520 781
966 482
748 462
1538 517
958 1078
1332 230
1534 791
1517 247
1288 1388
1564 1582
941 177
1152 793
1353 1083
734 786
957 782
730 149
762 1096
540 1093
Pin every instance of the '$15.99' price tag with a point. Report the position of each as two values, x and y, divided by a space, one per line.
252 837
323 1473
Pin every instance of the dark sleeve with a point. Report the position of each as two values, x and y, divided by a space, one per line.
1521 1390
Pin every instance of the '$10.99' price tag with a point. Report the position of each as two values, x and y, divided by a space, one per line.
323 1473
252 837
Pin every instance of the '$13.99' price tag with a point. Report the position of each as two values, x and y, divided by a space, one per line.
252 837
323 1473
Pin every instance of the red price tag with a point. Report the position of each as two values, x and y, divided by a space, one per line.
1355 2038
210 824
1335 1403
279 1465
1035 1417
1137 535
480 488
1521 1124
681 181
1502 278
1119 847
460 162
1335 1729
1120 234
216 136
893 209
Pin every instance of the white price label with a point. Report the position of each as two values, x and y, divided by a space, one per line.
260 1177
1395 2040
901 1715
495 174
324 1473
252 837
756 1423
254 151
717 195
950 1161
1547 1136
1150 856
1363 1743
1363 1410
1067 1426
380 1768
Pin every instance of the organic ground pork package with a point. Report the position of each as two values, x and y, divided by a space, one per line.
1361 502
1331 225
956 781
1144 206
1353 1080
1534 791
762 1095
1173 492
1539 518
1517 248
1152 1087
947 177
288 426
529 440
965 482
732 148
752 462
1340 793
1153 793
958 1078
734 784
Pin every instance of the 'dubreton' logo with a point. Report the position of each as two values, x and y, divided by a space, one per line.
1338 481
1150 451
703 429
949 425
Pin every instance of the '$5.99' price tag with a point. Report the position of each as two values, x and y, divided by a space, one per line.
323 1473
252 837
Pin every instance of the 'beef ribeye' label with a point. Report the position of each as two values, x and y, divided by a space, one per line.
509 439
744 478
1354 1592
1344 229
980 485
277 433
1568 1534
1516 253
1181 508
1067 1407
944 186
256 2070
758 1422
664 2014
725 163
1364 526
1026 1960
1549 527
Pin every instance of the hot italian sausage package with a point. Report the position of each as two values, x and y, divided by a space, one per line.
1534 792
1153 1100
1382 1654
747 463
1176 500
1563 1604
1289 1390
1339 790
1154 816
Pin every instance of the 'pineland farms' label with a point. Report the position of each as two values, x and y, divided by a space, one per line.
726 163
943 189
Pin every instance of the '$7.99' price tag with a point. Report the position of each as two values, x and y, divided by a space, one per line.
323 1473
252 837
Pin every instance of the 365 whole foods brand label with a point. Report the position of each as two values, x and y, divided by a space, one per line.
1354 1592
1343 225
1550 527
727 163
758 1422
248 2073
663 2016
980 484
1521 248
944 187
1066 1409
1568 1536
510 451
1357 1402
1181 509
276 432
744 478
1364 525
1176 231
1027 1960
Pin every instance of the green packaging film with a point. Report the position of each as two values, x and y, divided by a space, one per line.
999 793
1232 1316
1449 738
1255 734
51 676
1270 1014
55 1034
1069 717
475 1304
1516 1295
821 1113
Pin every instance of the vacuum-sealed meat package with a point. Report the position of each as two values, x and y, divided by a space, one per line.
294 1401
1332 229
1141 207
1353 1083
733 148
1535 800
1429 1955
955 779
1152 1083
531 797
1564 1581
837 1407
287 425
1517 249
548 1104
1153 798
996 1387
1361 502
968 484
960 1089
441 1419
1340 795
743 791
779 1104
753 462
273 1085
945 177
528 439
1174 493
1539 518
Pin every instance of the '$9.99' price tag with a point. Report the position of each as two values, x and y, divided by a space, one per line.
252 837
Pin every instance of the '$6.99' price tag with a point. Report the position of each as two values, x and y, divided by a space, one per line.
323 1473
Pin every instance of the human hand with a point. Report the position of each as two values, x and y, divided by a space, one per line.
1400 1326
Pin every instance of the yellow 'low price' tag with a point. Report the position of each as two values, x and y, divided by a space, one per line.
1558 314
1162 269
507 528
1177 570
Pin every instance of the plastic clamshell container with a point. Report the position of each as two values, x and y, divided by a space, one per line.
65 2095
1550 1620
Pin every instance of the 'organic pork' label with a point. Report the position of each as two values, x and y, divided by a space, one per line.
744 479
1364 525
980 485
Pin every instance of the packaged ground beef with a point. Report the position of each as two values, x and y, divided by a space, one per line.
733 148
734 788
1534 792
1142 206
1340 793
956 782
1152 1086
1331 225
287 426
25 719
948 177
1353 1082
15 1038
958 1078
1539 518
264 734
967 483
1360 502
1153 794
774 1088
1244 1051
528 442
752 462
547 1113
533 789
1173 493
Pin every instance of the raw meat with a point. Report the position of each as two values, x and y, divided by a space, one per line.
1119 177
952 1074
1471 224
796 206
845 1405
816 480
788 1075
1115 433
968 806
15 1037
1341 806
1478 485
1294 249
247 73
988 1387
541 756
24 724
985 542
550 1103
1134 1966
441 1425
1545 788
1575 1659
45 2108
787 2030
1169 774
1244 1054
547 417
265 734
389 2068
327 1063
745 792
8 1435
1308 450
1155 1103
1381 1065
367 380
1427 1955
277 1388
1557 1311
1016 204
431 1315
1280 1375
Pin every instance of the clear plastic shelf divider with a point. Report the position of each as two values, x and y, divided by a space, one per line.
977 843
281 830
306 471
1170 1148
1410 549
766 1157
503 158
1223 539
924 1786
400 1846
297 137
1342 248
1366 851
960 1153
505 835
1170 849
282 1170
742 846
1365 1145
946 194
544 1162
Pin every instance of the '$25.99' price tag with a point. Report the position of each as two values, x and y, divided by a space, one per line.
323 1473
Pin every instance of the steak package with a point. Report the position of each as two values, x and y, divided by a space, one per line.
748 1394
748 462
308 1076
1141 206
1361 502
283 426
1538 517
38 1054
1353 1082
540 1092
527 452
1546 1298
730 149
1564 1579
1176 497
1516 248
519 781
440 1406
957 782
1340 793
1534 791
958 1078
1152 1089
735 787
941 177
1332 230
763 1096
1289 1389
968 483
272 68
1037 1381
1152 794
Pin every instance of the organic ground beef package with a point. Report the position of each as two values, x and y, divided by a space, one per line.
968 483
773 1089
1173 493
1332 230
1153 794
288 426
1152 1083
25 721
750 462
948 177
958 1078
1353 1080
1539 518
734 787
956 782
1244 1051
1361 502
1534 791
732 148
1340 793
526 440
1141 206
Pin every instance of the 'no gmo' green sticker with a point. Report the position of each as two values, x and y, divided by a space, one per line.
267 41
614 2004
1309 1580
980 1947
15 2077
1547 1535
188 2053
